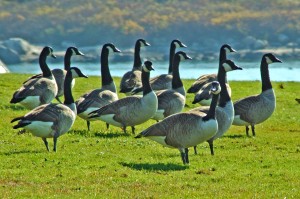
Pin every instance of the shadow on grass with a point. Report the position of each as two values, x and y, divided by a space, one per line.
14 107
234 136
20 152
101 134
155 167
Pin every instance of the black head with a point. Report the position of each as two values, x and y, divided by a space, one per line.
270 58
147 67
73 51
178 43
229 65
111 48
227 48
142 42
48 51
76 72
215 87
182 55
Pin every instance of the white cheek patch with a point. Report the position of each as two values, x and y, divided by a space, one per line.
268 60
73 51
145 69
227 67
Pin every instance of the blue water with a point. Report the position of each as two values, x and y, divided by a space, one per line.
288 71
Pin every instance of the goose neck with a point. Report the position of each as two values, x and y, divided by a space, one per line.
212 109
145 81
265 76
224 95
176 80
137 64
67 60
68 89
222 56
105 72
44 67
171 57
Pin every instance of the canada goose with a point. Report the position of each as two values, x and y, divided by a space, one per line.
224 110
131 110
255 109
164 81
38 91
52 120
60 74
132 78
203 96
172 101
203 79
97 98
184 130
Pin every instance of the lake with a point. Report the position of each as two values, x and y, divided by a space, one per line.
189 69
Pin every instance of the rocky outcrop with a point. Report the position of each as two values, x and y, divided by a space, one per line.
3 68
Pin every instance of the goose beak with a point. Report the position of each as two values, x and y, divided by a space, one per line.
277 60
233 50
52 55
80 53
117 50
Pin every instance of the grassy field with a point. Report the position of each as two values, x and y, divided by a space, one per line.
109 164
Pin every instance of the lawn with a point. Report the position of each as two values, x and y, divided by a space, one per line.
109 164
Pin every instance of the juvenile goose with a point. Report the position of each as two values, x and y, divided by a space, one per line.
60 74
52 120
131 110
224 110
97 98
172 101
203 79
132 78
38 91
256 109
184 130
164 81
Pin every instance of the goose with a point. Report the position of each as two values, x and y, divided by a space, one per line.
203 79
52 120
60 74
224 110
37 91
256 109
132 78
164 81
131 110
184 130
172 101
97 98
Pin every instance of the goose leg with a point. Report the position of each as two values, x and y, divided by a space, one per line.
182 153
54 142
195 150
211 146
186 150
133 130
46 143
253 130
57 98
247 131
124 129
107 126
88 124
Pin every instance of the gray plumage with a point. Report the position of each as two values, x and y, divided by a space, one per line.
38 90
132 110
97 98
256 109
224 110
132 79
52 120
184 130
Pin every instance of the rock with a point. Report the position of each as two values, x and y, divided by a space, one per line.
20 46
9 56
3 68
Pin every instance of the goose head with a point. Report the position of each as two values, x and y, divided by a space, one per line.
111 48
48 51
229 65
182 56
215 88
147 67
73 51
76 72
227 48
178 44
142 42
270 58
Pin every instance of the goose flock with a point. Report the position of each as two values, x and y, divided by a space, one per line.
161 98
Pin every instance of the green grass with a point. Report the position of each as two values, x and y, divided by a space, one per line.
109 164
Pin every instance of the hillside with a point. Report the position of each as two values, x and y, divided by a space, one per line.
203 24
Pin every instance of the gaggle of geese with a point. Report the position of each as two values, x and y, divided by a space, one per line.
161 98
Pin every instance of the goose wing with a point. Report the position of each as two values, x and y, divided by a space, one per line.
242 106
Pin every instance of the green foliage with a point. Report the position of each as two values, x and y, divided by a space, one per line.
109 164
67 20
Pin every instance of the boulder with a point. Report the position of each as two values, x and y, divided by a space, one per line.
3 68
9 56
20 46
